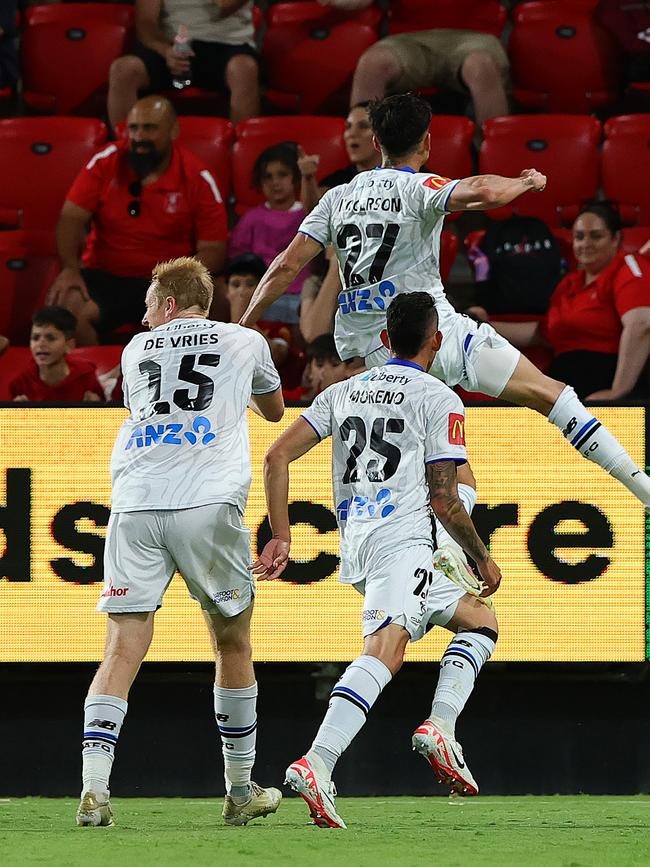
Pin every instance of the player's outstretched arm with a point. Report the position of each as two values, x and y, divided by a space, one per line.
483 192
281 272
294 442
445 502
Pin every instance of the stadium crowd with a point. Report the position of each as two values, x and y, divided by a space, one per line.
148 193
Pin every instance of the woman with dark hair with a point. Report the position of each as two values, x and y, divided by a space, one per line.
598 320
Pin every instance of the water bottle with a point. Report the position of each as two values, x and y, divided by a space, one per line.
183 48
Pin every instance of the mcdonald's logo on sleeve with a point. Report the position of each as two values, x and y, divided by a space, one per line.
456 429
436 182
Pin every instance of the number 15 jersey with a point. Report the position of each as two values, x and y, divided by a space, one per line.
185 443
386 424
385 227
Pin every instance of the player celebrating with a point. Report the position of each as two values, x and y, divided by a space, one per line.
181 473
394 429
385 227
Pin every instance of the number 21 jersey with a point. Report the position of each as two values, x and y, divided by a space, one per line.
185 443
386 424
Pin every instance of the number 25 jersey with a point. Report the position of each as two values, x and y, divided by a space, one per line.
185 443
386 424
385 227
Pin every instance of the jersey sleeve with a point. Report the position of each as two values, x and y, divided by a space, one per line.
434 192
317 223
444 438
87 187
265 376
319 414
632 285
210 220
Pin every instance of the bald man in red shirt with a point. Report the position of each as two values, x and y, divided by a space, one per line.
147 200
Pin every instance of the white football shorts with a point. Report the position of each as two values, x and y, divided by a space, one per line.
208 545
472 355
405 589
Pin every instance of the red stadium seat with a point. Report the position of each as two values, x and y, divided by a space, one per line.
12 362
448 251
625 165
210 138
105 358
66 59
13 255
310 53
317 135
561 59
40 159
50 13
451 140
563 147
487 16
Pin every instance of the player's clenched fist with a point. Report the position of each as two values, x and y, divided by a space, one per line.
490 575
534 179
272 561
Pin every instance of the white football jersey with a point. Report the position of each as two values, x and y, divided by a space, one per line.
385 425
185 443
385 227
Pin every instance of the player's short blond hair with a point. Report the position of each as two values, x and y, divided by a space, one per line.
185 279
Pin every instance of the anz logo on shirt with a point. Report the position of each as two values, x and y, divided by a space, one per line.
364 507
172 434
360 300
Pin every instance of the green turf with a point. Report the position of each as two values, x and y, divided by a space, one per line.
409 832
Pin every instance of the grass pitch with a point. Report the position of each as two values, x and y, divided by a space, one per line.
581 831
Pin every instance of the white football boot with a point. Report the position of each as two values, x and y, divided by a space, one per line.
94 812
261 803
454 567
309 778
445 755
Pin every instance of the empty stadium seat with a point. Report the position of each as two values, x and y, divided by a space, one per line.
48 13
561 59
66 55
310 53
451 140
625 165
487 16
40 159
563 147
13 253
317 135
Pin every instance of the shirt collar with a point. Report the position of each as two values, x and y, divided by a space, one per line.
405 363
402 169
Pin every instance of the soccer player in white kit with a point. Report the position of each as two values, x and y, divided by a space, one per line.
397 436
385 228
181 473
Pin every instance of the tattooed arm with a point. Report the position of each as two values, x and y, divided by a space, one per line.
443 492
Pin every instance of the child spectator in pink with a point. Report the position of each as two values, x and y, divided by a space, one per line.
53 375
268 228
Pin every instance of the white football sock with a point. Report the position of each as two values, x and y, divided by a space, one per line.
103 718
597 444
236 713
350 702
467 496
459 667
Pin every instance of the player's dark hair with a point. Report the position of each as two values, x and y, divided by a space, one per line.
410 320
285 152
608 213
247 263
323 347
400 122
57 317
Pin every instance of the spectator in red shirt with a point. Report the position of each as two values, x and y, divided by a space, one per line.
53 375
598 321
148 200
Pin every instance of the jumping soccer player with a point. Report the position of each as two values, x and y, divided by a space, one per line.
397 435
385 228
181 474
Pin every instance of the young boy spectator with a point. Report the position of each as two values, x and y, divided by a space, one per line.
53 375
242 276
324 367
267 229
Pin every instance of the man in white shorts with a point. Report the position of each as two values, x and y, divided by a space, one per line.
397 436
181 473
385 227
